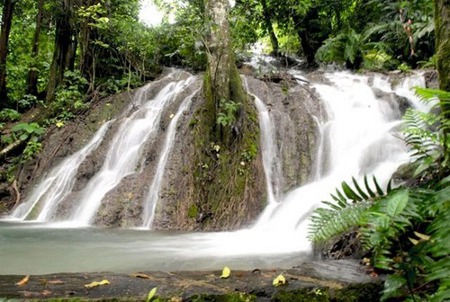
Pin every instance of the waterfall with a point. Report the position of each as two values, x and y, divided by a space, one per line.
123 155
268 147
58 184
153 193
360 138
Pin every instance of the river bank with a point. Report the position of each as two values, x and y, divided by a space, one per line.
338 280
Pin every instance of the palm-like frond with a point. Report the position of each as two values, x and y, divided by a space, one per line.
345 212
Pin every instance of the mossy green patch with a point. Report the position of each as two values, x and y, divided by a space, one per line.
225 156
233 297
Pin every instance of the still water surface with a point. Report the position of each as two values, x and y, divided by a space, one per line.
42 249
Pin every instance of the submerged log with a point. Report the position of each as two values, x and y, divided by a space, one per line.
325 280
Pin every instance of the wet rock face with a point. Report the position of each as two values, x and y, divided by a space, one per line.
293 108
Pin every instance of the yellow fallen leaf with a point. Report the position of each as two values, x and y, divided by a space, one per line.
226 272
96 283
422 236
23 281
280 280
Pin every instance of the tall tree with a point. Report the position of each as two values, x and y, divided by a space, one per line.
222 84
269 27
228 125
442 32
7 15
32 79
63 53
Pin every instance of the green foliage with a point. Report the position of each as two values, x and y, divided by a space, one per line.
427 133
346 47
30 132
227 116
9 115
346 213
151 295
26 131
70 96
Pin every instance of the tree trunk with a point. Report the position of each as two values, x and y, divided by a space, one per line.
7 15
228 126
87 59
223 85
63 41
269 27
33 73
311 33
442 31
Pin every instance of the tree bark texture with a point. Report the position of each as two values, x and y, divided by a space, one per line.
7 15
33 73
219 54
442 30
87 48
269 27
312 31
63 42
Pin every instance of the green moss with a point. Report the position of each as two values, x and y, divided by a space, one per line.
193 211
234 297
361 292
222 176
354 293
304 294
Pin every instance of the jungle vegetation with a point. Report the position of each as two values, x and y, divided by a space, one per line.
58 56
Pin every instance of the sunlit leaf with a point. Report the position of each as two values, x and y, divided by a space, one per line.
422 236
414 241
226 272
151 294
280 280
23 281
96 283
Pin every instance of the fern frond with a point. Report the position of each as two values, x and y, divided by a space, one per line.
327 223
343 214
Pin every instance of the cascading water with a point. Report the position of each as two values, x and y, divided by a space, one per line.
57 184
268 147
153 194
123 155
360 137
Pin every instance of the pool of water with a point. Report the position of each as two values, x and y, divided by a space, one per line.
30 248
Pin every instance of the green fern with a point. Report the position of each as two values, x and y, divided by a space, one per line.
384 222
439 247
346 210
327 223
346 46
428 133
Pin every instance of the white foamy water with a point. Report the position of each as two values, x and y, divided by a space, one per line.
124 152
58 184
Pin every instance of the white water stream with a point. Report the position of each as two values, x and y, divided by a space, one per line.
360 137
58 183
153 193
124 153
